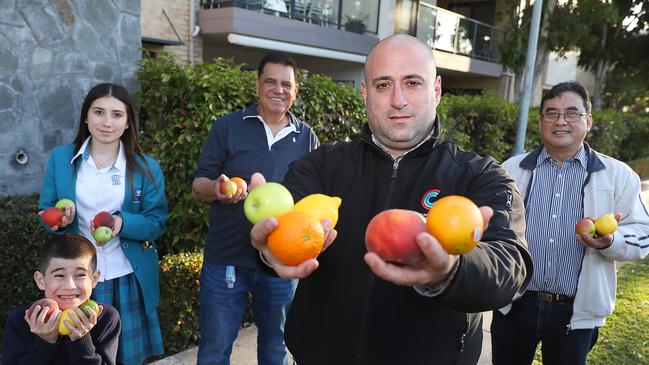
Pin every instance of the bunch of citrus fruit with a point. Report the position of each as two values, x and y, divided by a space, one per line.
300 235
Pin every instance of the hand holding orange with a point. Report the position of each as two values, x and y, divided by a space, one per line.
456 222
297 238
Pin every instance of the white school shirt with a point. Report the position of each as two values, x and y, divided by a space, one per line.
99 190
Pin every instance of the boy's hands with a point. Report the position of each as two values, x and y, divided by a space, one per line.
47 330
82 323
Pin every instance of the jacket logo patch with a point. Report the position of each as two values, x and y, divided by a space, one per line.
429 198
138 196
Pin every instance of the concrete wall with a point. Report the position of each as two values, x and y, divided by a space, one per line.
51 53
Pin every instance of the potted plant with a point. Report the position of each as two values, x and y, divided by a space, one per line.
355 23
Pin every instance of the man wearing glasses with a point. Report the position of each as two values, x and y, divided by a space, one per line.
573 285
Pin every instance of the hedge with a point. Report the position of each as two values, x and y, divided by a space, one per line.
21 237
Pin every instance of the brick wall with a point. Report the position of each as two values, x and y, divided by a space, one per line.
154 24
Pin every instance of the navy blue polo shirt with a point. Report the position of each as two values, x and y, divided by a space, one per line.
237 146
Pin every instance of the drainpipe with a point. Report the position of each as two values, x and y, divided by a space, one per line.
191 31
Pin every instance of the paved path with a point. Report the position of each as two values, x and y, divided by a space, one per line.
244 351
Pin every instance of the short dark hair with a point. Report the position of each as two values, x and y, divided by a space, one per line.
563 87
277 57
67 246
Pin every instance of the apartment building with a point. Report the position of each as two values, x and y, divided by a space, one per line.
332 37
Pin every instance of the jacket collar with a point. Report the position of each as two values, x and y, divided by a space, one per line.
429 143
594 162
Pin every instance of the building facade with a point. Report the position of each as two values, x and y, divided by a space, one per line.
332 37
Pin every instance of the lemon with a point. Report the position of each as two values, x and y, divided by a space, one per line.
320 206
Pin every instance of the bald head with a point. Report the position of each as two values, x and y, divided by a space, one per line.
391 46
401 91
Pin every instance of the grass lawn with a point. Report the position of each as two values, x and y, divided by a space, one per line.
625 337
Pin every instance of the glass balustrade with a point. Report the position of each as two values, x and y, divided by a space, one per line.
448 31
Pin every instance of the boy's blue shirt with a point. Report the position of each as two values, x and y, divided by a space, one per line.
144 212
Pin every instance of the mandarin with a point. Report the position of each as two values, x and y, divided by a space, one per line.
297 238
456 222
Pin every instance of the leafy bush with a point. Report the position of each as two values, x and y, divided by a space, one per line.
21 238
178 104
179 301
485 124
178 311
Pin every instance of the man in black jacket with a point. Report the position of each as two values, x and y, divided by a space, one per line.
358 309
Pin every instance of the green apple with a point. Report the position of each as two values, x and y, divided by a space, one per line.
89 304
102 235
267 200
62 203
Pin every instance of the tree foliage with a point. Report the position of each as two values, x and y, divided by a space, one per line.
611 37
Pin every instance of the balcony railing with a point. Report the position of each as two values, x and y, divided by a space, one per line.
326 13
448 31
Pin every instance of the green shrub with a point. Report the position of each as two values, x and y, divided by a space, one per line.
179 301
178 311
178 104
21 238
485 124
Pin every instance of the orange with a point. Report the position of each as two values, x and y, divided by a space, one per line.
297 238
457 224
241 183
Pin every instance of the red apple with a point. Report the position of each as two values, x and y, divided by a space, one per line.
104 219
585 225
45 302
392 234
228 187
52 216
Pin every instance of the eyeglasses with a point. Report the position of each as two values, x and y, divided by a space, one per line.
570 116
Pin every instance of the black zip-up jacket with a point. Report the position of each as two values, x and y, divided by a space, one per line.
344 314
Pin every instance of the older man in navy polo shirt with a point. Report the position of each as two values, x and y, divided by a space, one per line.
264 137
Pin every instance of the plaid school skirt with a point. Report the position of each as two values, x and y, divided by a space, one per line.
140 337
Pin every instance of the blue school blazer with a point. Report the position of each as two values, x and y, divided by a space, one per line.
144 212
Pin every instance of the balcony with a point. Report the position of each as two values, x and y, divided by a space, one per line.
451 32
352 16
310 28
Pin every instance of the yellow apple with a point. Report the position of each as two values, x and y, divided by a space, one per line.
606 224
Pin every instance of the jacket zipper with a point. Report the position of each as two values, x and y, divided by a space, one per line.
370 283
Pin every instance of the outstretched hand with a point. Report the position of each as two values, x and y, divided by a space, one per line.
263 228
432 271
